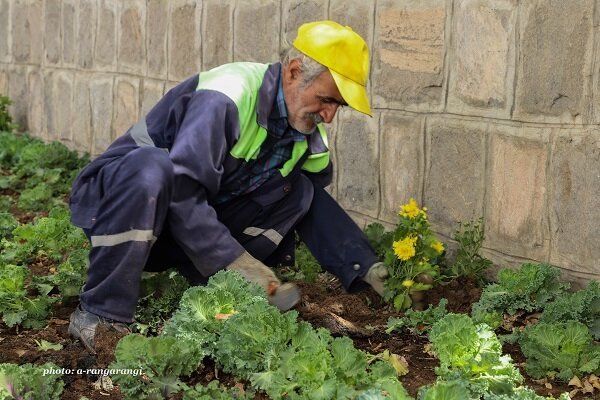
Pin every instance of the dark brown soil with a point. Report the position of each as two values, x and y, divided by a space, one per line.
362 317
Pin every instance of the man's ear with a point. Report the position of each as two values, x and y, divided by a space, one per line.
293 70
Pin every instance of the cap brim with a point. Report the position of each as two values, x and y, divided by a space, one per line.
353 93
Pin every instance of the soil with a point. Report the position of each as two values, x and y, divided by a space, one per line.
361 316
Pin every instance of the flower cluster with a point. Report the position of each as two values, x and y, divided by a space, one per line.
412 258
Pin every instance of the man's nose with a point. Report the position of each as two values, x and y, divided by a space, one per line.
328 112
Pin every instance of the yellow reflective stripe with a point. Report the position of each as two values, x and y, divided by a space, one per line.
134 235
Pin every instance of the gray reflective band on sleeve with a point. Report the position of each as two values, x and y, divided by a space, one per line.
270 234
134 235
139 133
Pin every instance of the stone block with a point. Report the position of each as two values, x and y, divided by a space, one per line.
87 33
359 15
184 39
50 125
555 49
3 80
5 30
29 30
157 15
408 54
82 128
575 200
64 105
132 37
126 109
101 96
52 34
18 94
105 54
217 33
69 33
357 155
516 193
256 31
152 93
298 12
402 161
35 114
483 58
454 171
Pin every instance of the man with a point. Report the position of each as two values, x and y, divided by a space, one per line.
220 174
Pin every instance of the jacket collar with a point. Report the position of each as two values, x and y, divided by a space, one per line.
267 94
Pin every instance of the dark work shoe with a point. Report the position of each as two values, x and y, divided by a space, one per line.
83 325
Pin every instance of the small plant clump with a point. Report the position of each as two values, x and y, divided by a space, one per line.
468 262
411 253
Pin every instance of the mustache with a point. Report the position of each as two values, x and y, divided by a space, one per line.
314 117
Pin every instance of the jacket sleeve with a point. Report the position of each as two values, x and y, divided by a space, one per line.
204 136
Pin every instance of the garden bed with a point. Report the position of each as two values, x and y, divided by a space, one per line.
37 238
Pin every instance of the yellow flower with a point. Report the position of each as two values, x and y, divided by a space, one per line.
438 246
405 248
411 210
408 283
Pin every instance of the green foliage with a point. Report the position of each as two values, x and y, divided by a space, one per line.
45 345
582 305
160 362
469 263
529 288
418 322
473 354
559 350
231 321
6 123
160 296
307 266
250 340
524 393
214 391
410 251
30 382
17 307
198 319
42 173
11 146
446 390
52 237
8 223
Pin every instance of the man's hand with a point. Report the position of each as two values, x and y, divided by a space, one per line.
376 276
281 296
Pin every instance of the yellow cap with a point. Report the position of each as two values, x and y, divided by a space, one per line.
346 55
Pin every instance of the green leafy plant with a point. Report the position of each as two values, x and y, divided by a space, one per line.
581 305
6 122
214 391
52 237
410 253
469 262
8 223
161 293
529 288
17 306
45 345
559 350
472 353
230 321
152 366
30 382
418 322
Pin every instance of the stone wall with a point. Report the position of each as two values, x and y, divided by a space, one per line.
481 107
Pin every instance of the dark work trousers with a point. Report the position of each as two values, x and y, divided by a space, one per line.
137 201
